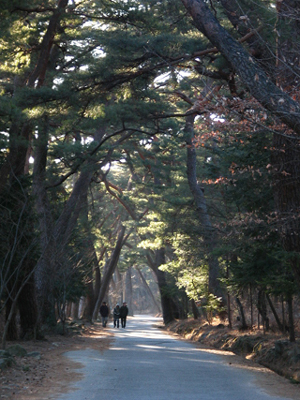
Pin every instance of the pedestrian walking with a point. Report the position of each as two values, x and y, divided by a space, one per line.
116 315
104 313
123 314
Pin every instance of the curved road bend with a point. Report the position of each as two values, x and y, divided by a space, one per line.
144 363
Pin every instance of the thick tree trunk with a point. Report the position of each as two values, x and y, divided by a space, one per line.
90 299
208 232
168 306
242 314
97 282
259 85
291 319
262 308
90 259
53 250
75 310
118 286
279 324
128 291
10 329
28 310
257 47
195 310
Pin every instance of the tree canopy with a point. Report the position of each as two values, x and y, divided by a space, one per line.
149 134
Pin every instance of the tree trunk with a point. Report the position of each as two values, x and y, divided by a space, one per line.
119 286
279 103
20 242
167 303
148 290
109 270
283 314
257 47
97 282
90 300
128 290
291 319
259 85
53 250
286 147
229 316
75 310
16 166
279 324
242 314
262 308
11 329
251 306
195 310
90 259
208 232
28 310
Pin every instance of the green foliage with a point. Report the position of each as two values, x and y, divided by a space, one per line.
112 99
213 307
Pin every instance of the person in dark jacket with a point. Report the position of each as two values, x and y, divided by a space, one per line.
104 313
123 314
116 316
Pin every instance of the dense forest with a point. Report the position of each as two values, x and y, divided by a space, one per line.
149 151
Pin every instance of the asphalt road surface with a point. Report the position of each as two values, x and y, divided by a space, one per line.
143 363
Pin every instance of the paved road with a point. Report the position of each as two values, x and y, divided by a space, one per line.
143 363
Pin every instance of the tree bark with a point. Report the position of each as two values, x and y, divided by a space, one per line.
148 290
90 259
286 159
16 167
195 310
53 249
97 282
167 303
128 291
262 308
75 310
286 148
242 314
259 85
262 53
28 310
291 319
10 329
279 324
109 270
209 233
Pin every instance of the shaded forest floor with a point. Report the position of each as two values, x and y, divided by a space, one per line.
271 350
43 378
